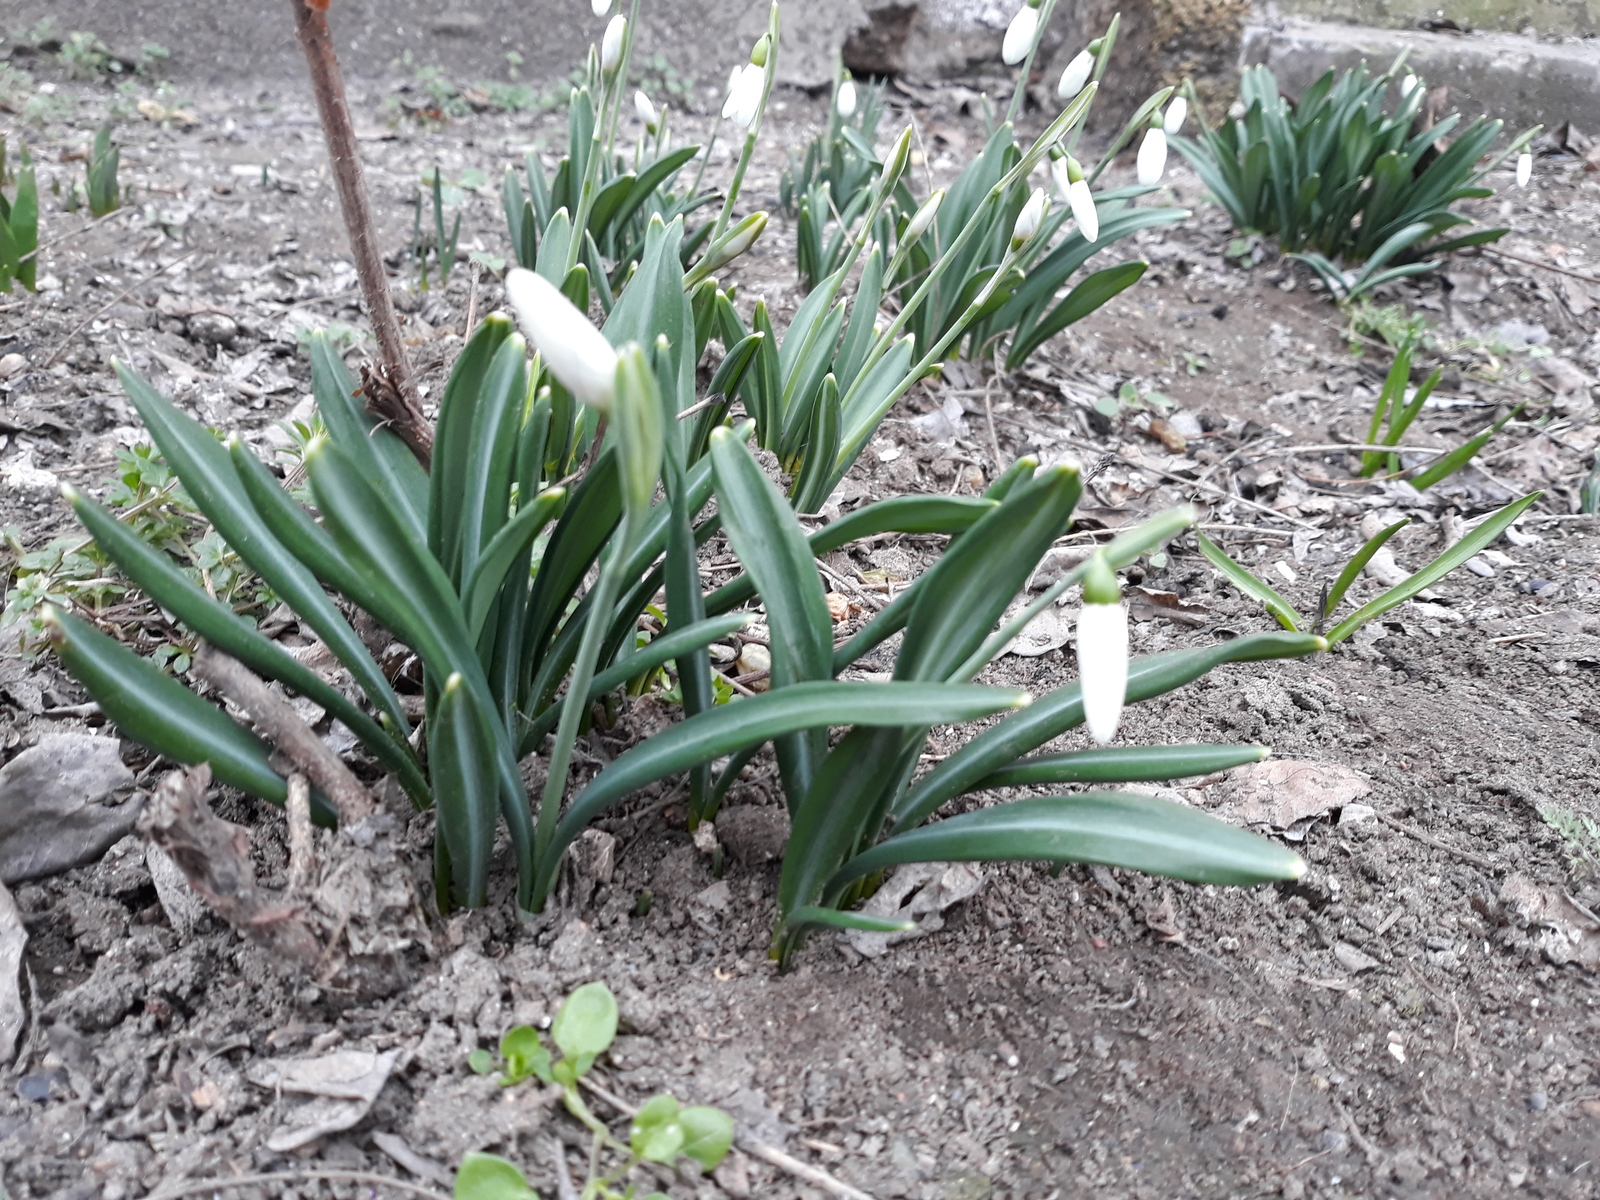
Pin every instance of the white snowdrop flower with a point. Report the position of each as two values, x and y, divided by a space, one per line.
611 43
1075 76
923 217
1019 35
1176 112
1029 219
575 351
744 95
1408 85
1069 178
1103 667
1524 169
846 101
600 7
646 110
1152 157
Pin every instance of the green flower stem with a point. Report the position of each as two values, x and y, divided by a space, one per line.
620 86
1108 41
594 634
1052 134
770 76
603 135
1015 108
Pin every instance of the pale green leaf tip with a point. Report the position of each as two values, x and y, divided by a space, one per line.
1023 700
1298 869
69 493
453 684
1322 643
1263 753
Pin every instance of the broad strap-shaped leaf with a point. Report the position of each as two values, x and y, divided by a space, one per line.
1052 715
1082 300
491 455
482 586
1114 829
730 728
153 708
449 481
461 757
1121 764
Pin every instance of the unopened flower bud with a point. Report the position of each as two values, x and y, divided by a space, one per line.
923 218
637 426
845 102
600 7
1074 186
646 110
575 351
611 43
1524 169
1176 112
1102 652
1029 219
1075 76
739 239
1019 35
1408 85
1152 157
744 95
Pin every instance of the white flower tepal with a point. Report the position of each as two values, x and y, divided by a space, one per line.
1103 667
1019 35
744 95
1075 76
611 43
600 7
1176 112
923 217
1524 169
1081 201
646 110
1029 219
576 352
846 102
1152 157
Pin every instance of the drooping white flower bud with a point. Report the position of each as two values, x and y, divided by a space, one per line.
1176 112
1074 186
575 351
1152 157
923 218
600 7
1524 169
1019 35
845 103
1075 76
1102 652
1408 85
1029 219
744 95
646 110
611 43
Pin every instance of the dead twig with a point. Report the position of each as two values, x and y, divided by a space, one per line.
110 304
311 24
1464 855
1534 262
302 850
274 718
214 857
192 1186
71 233
771 1154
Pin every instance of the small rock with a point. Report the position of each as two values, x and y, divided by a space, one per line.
1478 567
1538 1102
10 364
1357 814
1353 960
753 834
753 658
215 329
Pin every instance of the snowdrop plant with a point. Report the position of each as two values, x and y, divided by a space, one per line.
1338 180
19 225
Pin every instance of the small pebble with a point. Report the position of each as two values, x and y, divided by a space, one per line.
11 364
215 329
1480 568
754 657
1538 1102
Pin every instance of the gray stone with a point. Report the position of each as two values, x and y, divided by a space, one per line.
1509 77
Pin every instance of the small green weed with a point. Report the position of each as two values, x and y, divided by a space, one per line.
1581 835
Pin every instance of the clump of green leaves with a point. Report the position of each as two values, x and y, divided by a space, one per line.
19 224
1334 177
1581 836
103 192
662 1131
442 247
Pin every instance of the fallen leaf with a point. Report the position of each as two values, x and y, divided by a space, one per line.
920 892
1283 791
1571 932
1048 631
342 1087
1145 603
49 820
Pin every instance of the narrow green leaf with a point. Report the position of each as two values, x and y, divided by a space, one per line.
1356 565
482 586
1448 464
1122 764
1114 829
1282 611
1486 534
809 915
461 757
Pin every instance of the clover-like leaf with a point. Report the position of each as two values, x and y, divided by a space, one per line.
524 1054
480 1062
490 1177
707 1135
586 1024
655 1134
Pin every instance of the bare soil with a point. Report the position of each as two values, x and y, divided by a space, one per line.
1384 1027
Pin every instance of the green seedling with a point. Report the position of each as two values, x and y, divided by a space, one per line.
104 193
19 224
662 1131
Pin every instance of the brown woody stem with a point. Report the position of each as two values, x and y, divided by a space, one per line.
402 409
